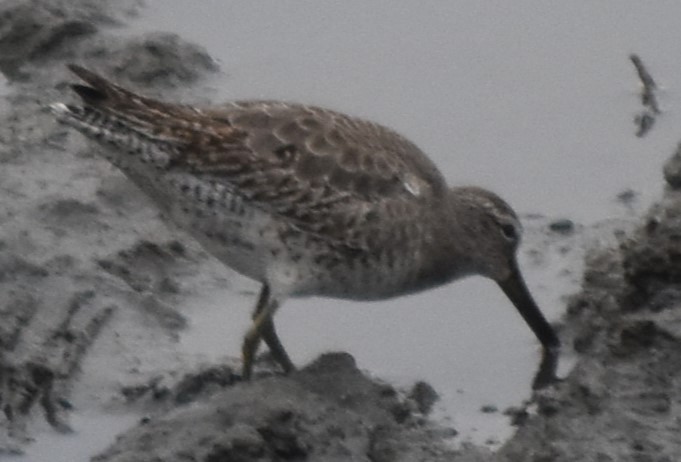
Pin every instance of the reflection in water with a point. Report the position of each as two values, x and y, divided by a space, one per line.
546 374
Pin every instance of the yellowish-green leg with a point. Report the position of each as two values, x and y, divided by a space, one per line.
263 328
252 339
269 334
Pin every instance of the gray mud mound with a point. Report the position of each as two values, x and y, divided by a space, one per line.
35 31
329 411
622 400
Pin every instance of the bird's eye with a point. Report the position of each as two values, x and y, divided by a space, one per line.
509 231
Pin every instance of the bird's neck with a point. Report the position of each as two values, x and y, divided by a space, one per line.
445 252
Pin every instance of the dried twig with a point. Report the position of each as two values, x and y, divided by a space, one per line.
646 118
648 98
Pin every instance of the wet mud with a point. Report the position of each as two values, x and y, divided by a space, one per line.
92 281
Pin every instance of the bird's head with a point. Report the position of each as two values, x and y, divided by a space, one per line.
487 231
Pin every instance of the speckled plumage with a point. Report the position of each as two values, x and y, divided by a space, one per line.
306 200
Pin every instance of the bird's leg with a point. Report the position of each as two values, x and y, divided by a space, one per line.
263 328
252 338
269 334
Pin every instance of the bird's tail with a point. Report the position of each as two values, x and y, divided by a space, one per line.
117 116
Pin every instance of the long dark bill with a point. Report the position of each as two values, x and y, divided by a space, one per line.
516 290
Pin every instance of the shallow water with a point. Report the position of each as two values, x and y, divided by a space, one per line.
530 99
93 432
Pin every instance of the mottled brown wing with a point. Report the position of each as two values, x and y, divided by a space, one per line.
328 173
324 172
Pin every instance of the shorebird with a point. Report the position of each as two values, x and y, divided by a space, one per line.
305 200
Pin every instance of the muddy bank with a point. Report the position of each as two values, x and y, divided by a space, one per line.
621 400
328 411
93 283
74 272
